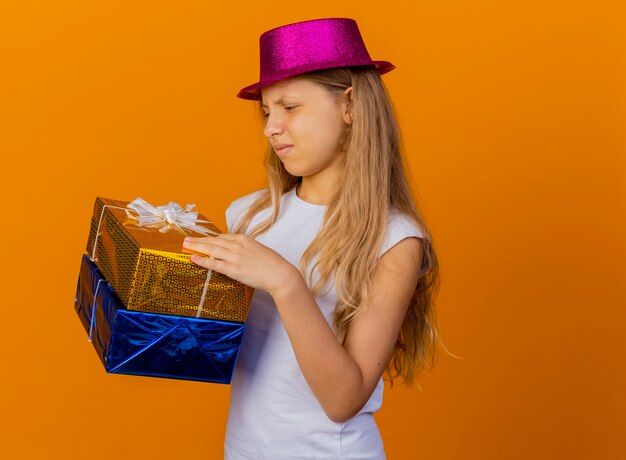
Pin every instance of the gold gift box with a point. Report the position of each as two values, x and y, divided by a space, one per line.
149 272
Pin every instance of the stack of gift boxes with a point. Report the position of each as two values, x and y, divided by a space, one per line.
147 309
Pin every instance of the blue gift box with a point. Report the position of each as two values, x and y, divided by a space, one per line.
151 344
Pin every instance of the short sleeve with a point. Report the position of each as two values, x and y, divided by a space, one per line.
400 227
237 209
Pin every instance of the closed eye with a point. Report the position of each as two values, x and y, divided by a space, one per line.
288 108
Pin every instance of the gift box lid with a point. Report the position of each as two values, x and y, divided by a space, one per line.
167 238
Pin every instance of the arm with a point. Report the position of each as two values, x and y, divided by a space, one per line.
341 377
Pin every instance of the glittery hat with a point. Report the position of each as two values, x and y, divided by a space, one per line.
305 46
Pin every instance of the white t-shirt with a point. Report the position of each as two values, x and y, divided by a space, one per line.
273 413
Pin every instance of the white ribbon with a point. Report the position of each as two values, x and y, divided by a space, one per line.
167 216
92 323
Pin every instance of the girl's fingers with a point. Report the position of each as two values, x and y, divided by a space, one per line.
216 265
218 246
222 238
208 262
226 240
208 248
230 236
195 245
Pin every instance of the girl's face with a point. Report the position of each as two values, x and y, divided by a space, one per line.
304 123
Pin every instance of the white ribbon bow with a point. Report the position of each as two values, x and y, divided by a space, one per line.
167 216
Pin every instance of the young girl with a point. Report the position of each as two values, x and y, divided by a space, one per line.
343 266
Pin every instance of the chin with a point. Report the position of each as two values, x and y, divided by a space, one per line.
295 171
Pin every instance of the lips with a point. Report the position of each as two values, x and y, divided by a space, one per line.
282 149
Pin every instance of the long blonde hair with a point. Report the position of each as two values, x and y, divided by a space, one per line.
376 184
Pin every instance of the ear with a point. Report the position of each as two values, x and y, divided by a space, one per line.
347 115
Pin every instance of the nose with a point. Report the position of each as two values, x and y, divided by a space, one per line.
273 125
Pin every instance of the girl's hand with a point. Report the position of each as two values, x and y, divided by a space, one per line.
243 259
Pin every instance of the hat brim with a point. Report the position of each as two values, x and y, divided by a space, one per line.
253 92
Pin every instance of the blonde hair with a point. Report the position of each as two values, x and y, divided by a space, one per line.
361 207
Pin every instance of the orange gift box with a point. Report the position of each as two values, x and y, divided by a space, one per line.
138 248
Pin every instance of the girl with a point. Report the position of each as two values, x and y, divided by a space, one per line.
343 266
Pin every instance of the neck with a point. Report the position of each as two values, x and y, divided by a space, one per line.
315 191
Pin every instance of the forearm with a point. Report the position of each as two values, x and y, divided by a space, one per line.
342 377
331 372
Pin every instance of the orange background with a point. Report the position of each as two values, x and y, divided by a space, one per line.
513 117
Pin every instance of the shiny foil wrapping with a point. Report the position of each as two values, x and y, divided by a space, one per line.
149 272
150 344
